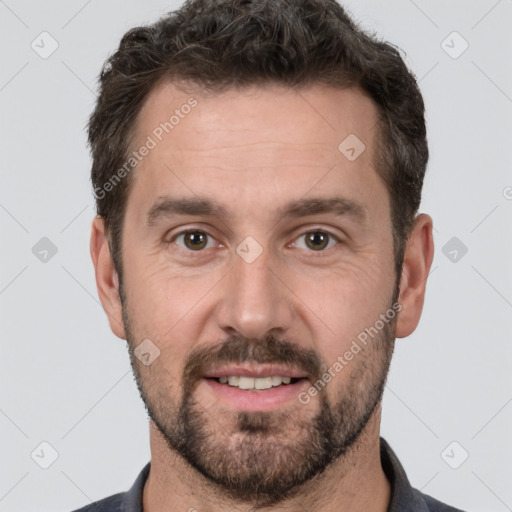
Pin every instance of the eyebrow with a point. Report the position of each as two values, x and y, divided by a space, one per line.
166 207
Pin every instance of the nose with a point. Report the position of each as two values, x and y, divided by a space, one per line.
254 300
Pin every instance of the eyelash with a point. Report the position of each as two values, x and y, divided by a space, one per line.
191 253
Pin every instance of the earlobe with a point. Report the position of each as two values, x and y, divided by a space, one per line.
418 257
107 281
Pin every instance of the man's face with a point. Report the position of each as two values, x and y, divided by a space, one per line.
271 284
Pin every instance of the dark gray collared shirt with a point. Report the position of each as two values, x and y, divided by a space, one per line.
403 497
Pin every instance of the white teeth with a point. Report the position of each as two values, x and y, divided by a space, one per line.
246 383
233 380
243 382
263 383
277 381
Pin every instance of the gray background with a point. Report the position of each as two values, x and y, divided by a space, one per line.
66 379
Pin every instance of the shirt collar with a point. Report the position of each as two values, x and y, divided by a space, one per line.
132 501
403 497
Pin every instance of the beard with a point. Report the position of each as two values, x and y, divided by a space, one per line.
264 458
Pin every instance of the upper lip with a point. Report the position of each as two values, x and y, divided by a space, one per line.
256 371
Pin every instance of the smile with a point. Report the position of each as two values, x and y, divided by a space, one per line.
256 383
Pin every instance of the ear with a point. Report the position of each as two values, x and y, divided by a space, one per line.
418 256
106 277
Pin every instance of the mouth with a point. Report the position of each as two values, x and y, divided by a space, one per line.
256 389
256 383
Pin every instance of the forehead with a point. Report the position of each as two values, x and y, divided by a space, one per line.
243 139
317 114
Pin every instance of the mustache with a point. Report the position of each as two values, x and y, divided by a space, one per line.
238 350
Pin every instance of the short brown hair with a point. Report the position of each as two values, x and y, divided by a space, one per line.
219 44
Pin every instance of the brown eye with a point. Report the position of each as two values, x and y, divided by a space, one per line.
316 241
192 240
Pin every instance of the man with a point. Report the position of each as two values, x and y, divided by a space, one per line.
258 168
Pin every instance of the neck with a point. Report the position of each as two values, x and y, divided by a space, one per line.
354 482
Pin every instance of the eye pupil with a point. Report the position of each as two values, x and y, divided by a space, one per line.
195 239
317 240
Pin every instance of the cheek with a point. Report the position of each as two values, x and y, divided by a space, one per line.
165 302
339 304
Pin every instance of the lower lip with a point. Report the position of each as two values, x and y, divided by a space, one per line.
257 400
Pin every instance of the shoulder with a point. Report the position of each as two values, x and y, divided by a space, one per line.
435 505
110 504
122 501
404 498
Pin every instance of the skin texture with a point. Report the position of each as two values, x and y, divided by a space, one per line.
253 151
